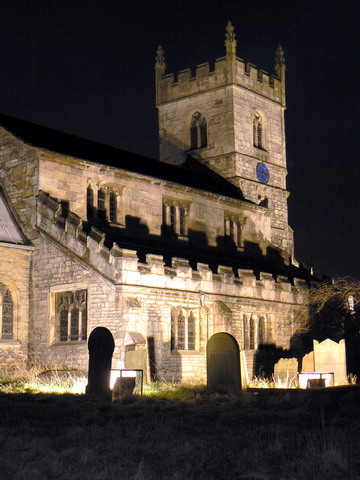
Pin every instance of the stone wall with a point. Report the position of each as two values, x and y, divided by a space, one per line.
229 98
57 270
141 199
127 295
15 274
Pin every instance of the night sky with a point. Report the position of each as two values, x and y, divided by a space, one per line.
86 67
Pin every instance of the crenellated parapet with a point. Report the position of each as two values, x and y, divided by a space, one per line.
122 266
228 70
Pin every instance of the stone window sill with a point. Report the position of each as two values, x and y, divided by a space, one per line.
185 352
9 343
64 344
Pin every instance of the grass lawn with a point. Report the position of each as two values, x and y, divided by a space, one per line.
186 433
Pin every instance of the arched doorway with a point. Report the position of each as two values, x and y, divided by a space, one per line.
223 363
101 347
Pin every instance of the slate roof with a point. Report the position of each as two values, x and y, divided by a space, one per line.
10 231
192 173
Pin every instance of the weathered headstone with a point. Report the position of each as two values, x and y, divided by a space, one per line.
101 347
123 387
286 369
330 356
223 363
136 353
308 363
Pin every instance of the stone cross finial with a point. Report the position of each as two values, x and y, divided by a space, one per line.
279 62
230 42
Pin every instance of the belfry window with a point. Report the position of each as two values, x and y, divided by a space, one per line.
198 131
258 132
6 313
71 314
183 330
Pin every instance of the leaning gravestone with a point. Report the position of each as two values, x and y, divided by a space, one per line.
286 369
123 387
330 356
223 363
101 347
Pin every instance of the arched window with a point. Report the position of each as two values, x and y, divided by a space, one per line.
71 315
183 330
7 313
63 320
198 131
255 330
191 332
258 132
252 333
262 332
83 326
89 203
246 342
74 324
101 205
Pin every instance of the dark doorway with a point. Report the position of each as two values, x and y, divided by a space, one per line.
101 347
223 363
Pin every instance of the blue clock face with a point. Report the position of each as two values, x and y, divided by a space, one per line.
262 173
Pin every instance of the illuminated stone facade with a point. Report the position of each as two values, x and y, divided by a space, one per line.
162 255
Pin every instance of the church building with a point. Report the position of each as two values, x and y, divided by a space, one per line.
164 254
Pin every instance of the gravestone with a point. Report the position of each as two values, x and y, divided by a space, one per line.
308 363
330 356
286 369
223 363
136 353
123 387
101 347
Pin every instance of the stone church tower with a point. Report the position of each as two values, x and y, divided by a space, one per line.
232 120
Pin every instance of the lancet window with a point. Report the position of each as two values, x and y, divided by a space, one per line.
175 214
183 330
112 207
198 131
256 330
6 312
101 205
71 314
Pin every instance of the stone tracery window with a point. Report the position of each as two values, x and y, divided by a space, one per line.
183 330
256 330
71 315
6 312
198 131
